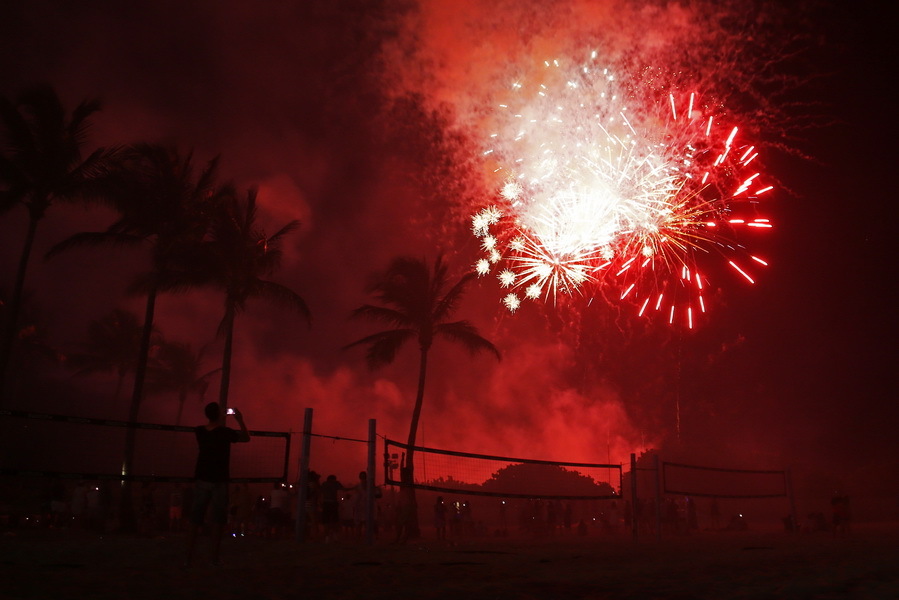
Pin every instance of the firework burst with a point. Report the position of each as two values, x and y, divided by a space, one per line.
615 188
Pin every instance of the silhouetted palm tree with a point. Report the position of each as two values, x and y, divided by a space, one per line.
41 163
417 302
177 368
112 345
165 205
240 256
162 203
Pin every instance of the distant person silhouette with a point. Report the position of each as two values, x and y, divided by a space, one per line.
79 503
331 507
360 504
278 517
212 476
405 514
147 513
692 517
241 509
313 503
440 518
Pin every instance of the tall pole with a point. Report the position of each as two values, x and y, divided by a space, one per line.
303 492
370 484
634 513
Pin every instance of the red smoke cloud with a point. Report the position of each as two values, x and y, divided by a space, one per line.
297 100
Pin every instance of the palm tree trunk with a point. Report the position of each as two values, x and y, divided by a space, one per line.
419 399
15 306
226 357
407 473
126 514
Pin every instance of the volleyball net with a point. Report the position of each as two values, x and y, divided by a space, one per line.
454 472
713 482
50 445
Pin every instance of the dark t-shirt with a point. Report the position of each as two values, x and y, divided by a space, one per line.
215 453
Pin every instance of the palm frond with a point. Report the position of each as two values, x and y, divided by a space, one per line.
94 239
288 228
177 368
464 333
13 185
18 134
284 296
206 180
173 281
94 178
383 314
383 346
228 318
112 344
250 211
413 300
79 123
143 284
406 285
448 304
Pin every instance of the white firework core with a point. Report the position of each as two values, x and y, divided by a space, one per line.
598 181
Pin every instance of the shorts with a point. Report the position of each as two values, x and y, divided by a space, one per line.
213 495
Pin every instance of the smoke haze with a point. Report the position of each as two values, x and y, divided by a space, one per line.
359 120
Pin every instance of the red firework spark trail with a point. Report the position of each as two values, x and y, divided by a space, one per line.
607 186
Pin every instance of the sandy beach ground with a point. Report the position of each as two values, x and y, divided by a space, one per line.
715 565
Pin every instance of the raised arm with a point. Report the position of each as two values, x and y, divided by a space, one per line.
243 435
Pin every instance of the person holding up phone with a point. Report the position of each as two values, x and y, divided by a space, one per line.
212 475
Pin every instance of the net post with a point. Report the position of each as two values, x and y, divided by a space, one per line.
386 460
370 484
634 525
300 529
286 472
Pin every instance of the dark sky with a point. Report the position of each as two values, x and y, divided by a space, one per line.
338 112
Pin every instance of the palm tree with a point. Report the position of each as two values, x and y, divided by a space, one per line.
41 164
240 256
417 302
178 368
112 345
163 203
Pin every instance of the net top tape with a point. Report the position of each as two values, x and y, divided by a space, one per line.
530 461
666 464
116 423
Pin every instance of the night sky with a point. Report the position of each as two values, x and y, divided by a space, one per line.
348 116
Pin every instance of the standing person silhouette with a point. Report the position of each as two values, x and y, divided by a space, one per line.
360 504
331 507
212 476
440 518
